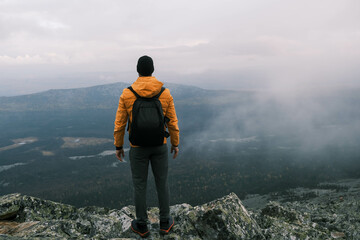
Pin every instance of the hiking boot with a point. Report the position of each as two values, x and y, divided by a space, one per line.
165 226
140 228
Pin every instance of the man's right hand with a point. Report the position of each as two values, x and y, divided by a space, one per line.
175 150
120 153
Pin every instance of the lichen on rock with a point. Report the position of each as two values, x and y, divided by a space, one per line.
224 218
326 215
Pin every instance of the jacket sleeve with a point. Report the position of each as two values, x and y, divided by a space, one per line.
120 123
173 123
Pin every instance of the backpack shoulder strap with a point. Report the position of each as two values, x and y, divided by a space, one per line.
161 91
135 93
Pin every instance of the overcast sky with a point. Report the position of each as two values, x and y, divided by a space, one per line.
228 44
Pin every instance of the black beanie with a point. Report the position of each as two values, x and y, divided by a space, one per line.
145 66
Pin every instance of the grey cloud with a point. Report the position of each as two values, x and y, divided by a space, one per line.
287 43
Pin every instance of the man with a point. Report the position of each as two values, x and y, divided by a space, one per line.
147 86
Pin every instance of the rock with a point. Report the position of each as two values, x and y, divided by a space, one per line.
9 206
282 222
337 234
324 215
273 209
224 218
331 213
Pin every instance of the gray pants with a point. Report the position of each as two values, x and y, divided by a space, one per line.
139 160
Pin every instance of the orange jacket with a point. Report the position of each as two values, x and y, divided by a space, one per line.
145 87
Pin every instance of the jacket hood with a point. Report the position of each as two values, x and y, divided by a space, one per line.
147 86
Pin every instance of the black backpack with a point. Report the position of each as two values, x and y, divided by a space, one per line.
148 124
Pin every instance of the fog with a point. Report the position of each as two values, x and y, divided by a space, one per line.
306 120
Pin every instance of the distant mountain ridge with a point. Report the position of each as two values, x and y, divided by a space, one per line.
100 96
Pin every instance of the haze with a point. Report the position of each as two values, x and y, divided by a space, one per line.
212 44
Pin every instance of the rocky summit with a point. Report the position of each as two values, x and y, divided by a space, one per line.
29 218
330 211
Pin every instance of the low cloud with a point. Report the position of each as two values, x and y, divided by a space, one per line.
308 120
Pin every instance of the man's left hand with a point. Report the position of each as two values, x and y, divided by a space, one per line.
174 150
